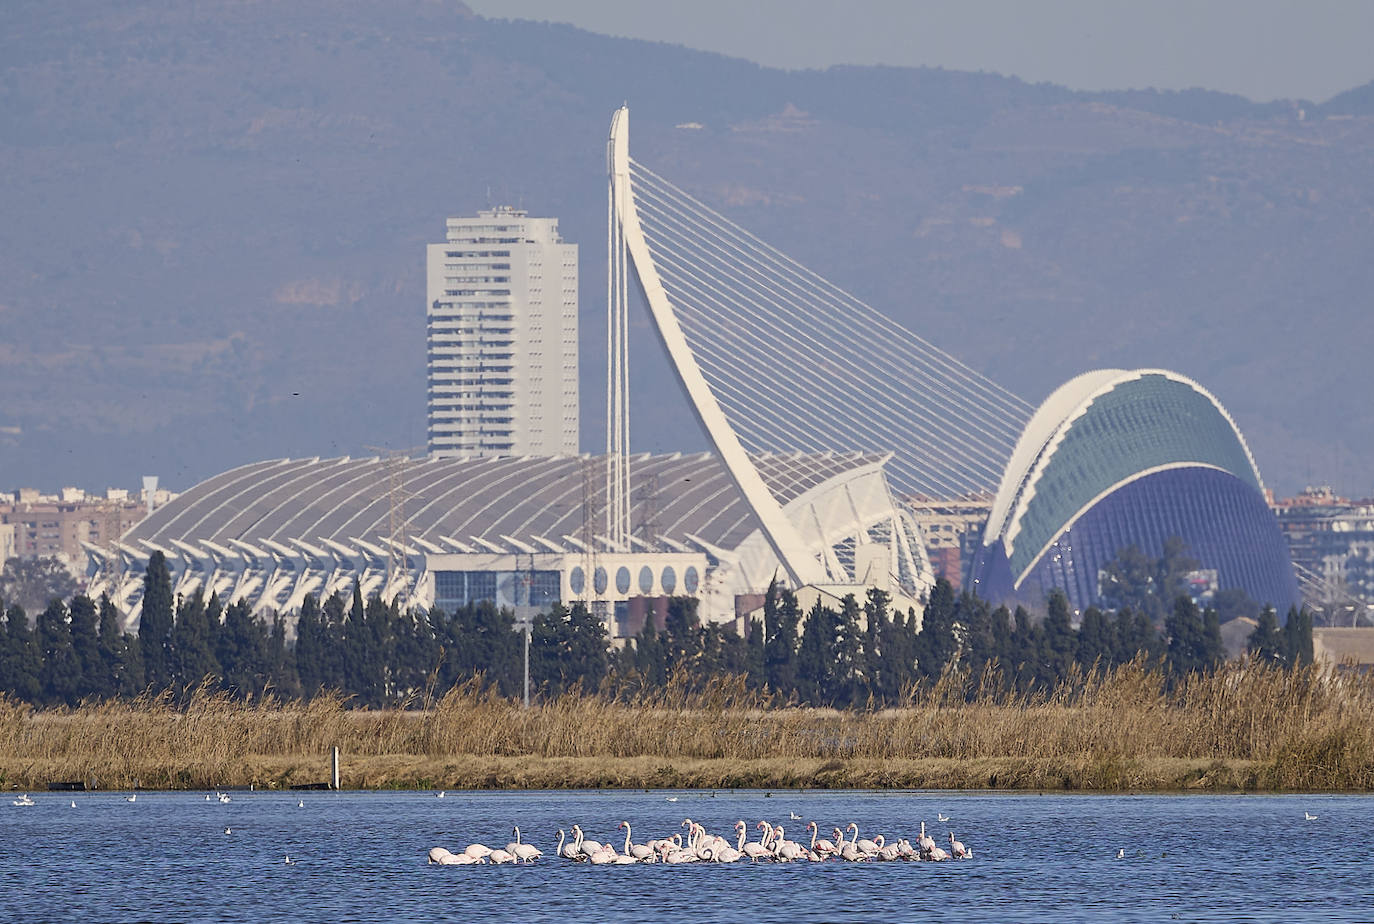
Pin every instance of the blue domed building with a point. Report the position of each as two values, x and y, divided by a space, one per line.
1116 458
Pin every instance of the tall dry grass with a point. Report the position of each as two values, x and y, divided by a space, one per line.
1243 726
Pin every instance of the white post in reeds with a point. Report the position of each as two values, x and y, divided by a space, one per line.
334 770
525 624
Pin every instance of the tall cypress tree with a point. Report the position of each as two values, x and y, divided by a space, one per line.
682 634
550 650
113 647
193 659
281 663
241 654
847 667
1213 649
372 651
1296 637
1025 650
358 664
214 621
651 655
60 673
1187 641
334 650
310 646
1000 620
1095 645
1303 643
499 649
877 640
1136 637
936 643
1058 641
755 673
818 637
587 647
417 652
155 625
1264 643
780 648
20 661
86 643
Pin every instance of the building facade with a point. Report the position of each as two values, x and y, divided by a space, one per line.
502 337
63 525
1332 542
952 528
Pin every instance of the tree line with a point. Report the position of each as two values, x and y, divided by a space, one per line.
860 653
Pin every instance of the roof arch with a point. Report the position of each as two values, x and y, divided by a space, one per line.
1098 432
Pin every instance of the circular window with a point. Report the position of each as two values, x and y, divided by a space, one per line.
622 580
669 580
689 579
577 580
599 580
646 579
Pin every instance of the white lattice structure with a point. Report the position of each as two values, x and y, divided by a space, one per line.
272 532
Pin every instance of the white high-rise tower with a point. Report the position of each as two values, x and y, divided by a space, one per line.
502 337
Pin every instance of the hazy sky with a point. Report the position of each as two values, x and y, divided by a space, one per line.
1262 49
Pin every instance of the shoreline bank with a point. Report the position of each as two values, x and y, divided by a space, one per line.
479 773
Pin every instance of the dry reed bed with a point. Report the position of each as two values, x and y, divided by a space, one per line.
1242 727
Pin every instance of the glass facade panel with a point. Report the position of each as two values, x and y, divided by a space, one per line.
1224 520
456 589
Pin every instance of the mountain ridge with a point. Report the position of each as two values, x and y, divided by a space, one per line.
217 221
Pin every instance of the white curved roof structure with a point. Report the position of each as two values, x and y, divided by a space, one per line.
1201 442
1115 458
275 530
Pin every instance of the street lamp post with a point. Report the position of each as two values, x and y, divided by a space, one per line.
526 625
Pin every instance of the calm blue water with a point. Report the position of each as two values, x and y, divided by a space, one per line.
362 858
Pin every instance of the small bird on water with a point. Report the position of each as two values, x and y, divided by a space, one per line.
288 861
1121 853
228 830
1309 816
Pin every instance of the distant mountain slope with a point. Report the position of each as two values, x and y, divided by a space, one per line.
213 218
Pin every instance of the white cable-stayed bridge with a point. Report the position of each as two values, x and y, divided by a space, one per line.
774 358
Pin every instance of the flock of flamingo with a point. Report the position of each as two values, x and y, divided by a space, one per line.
703 847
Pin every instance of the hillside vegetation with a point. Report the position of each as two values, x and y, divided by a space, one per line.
214 219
